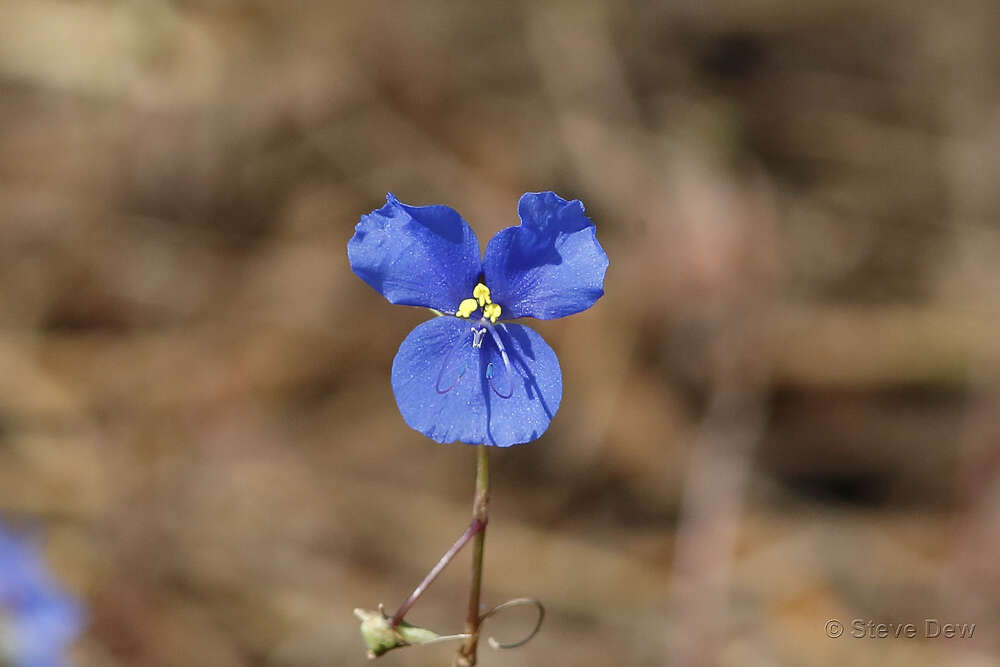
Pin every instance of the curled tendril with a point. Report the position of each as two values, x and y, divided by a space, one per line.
382 637
516 602
494 644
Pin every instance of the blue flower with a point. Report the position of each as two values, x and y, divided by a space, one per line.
468 375
37 620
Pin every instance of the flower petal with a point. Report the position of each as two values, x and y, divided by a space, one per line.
416 255
450 390
37 618
549 266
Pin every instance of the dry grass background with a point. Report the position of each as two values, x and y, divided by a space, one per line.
784 410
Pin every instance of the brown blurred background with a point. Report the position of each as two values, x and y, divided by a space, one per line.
784 410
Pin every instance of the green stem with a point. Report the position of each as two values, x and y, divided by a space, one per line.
467 654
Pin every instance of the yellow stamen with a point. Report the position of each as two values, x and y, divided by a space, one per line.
480 299
491 311
467 307
482 294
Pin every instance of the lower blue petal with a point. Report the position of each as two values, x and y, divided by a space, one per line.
450 390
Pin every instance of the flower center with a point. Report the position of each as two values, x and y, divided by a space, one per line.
480 299
491 311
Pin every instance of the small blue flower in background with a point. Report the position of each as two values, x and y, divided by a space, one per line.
468 375
37 620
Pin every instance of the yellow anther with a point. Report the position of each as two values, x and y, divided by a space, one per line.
480 299
482 294
467 307
491 311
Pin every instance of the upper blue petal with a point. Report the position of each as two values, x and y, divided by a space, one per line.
549 266
416 255
450 390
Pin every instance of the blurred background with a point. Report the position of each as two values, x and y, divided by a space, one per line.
785 410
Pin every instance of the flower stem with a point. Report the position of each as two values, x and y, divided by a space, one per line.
467 654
